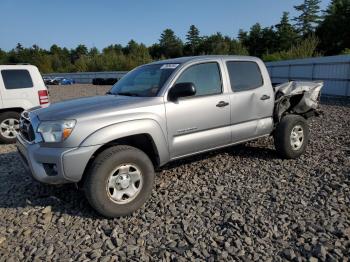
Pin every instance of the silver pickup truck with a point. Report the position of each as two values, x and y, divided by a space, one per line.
160 112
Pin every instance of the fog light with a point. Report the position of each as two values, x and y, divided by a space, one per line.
50 169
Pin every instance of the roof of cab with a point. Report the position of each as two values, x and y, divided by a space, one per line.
185 59
18 66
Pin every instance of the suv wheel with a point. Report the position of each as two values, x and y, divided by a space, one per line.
291 136
119 181
9 127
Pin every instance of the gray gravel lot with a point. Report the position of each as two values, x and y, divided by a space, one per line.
239 203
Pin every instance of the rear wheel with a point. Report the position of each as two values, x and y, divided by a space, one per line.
9 127
119 181
291 136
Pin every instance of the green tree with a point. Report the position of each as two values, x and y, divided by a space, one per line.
346 51
118 49
243 38
60 59
334 31
237 48
218 44
309 17
193 40
19 48
82 64
3 56
286 33
55 49
269 42
136 54
254 40
215 44
93 51
155 51
304 49
171 46
259 41
78 52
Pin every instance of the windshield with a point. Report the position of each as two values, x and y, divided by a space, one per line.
144 81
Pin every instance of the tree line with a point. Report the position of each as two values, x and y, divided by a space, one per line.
313 32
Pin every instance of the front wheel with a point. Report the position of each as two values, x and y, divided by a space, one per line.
119 181
291 136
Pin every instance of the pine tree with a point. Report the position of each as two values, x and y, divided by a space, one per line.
254 40
2 56
170 44
286 33
93 51
243 36
334 30
79 52
193 40
309 18
19 47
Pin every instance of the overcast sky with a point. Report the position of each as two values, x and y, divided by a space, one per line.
104 22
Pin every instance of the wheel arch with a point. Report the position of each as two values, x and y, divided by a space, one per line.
143 142
131 131
13 109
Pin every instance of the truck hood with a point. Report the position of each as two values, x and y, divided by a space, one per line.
77 108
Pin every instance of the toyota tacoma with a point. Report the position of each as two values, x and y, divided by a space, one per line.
157 113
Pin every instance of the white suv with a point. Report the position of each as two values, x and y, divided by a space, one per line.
21 87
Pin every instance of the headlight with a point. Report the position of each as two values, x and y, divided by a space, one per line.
56 131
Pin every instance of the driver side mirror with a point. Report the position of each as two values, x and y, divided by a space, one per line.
182 90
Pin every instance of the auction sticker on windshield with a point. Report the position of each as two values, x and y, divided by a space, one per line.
169 66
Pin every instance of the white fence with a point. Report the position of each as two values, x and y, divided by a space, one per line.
333 70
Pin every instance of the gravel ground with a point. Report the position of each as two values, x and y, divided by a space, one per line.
240 203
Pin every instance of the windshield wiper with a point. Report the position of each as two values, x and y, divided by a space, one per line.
127 94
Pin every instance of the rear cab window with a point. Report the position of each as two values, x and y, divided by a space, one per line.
16 78
244 75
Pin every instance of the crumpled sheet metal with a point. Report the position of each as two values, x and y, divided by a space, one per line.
310 90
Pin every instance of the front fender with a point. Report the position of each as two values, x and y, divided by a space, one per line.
129 128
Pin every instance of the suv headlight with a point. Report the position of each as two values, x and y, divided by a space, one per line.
56 131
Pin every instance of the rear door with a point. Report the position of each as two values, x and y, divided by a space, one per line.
251 100
17 88
199 122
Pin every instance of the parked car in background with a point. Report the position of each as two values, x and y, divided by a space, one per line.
47 80
21 87
158 113
62 81
104 81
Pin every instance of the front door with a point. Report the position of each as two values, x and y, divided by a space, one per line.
202 121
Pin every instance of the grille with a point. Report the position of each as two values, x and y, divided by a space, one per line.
26 129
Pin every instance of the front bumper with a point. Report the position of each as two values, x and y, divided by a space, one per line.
54 165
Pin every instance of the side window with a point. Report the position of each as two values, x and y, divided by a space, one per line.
244 75
206 77
16 78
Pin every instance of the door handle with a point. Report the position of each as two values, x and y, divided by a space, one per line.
222 104
264 97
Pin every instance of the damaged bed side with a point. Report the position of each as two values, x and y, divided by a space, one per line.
296 97
295 102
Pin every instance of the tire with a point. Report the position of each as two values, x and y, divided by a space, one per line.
291 136
9 126
108 177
